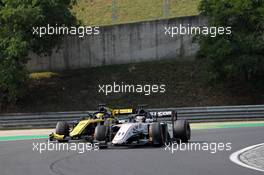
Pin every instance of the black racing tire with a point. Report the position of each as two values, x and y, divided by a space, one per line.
62 128
101 133
182 130
155 132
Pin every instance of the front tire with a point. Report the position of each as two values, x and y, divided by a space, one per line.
155 133
182 130
62 128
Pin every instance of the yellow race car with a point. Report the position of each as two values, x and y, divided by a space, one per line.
87 127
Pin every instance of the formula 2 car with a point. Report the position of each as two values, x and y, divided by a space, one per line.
87 127
143 128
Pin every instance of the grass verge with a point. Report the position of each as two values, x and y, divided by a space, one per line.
99 12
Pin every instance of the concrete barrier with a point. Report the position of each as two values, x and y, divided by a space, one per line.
193 114
124 43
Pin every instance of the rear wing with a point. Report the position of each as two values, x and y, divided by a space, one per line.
163 114
122 111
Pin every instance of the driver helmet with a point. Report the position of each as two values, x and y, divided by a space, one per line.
140 118
102 110
103 113
99 115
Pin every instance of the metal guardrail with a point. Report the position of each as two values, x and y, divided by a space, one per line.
193 114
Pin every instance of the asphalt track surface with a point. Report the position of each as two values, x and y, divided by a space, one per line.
18 158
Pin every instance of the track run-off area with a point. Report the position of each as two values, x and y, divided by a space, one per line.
17 156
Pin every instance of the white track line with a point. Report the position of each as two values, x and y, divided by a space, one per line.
235 157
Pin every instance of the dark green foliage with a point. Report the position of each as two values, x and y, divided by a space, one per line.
239 56
17 19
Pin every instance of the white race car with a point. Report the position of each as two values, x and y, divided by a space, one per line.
142 128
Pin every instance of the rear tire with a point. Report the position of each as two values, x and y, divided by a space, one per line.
155 132
101 134
182 130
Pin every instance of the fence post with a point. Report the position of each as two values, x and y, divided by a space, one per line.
114 11
166 8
